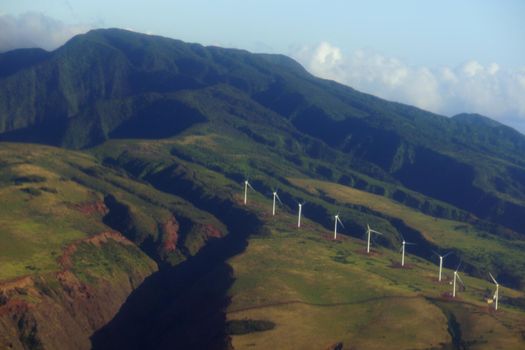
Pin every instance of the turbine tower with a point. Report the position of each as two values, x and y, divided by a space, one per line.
275 196
299 215
246 185
369 233
404 243
336 219
456 276
496 293
441 257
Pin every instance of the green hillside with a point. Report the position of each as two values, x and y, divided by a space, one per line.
319 293
119 84
52 197
150 139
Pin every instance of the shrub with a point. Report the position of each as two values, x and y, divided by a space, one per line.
237 327
32 191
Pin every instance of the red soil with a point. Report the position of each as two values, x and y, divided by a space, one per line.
97 240
447 296
171 235
444 279
67 279
397 265
211 231
91 208
373 252
14 306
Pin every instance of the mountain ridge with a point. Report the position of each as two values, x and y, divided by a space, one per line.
112 83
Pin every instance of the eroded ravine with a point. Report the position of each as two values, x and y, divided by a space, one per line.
184 306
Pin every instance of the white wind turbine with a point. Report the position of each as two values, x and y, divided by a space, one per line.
404 243
336 219
369 233
496 293
246 185
441 257
275 196
456 277
299 214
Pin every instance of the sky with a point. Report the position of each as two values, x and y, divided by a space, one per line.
447 56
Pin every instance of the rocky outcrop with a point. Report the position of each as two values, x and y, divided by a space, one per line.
211 231
171 235
61 310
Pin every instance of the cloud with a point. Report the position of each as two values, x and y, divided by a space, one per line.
472 87
34 29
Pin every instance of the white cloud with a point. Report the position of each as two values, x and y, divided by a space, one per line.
34 29
493 68
472 68
327 54
472 87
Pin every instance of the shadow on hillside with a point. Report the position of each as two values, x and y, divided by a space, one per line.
179 307
184 306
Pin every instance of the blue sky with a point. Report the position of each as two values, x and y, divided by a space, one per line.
445 56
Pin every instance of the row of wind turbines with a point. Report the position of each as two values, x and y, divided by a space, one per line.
369 232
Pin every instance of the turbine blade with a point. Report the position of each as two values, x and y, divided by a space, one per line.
279 199
250 186
340 222
458 266
495 282
459 278
447 254
410 243
374 231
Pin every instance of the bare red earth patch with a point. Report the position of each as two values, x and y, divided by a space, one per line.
171 235
373 252
211 231
397 265
92 208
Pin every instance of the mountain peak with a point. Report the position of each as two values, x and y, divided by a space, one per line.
474 118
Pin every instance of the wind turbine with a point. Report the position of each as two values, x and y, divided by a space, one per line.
441 257
403 250
299 215
368 232
246 185
456 276
275 196
336 219
496 293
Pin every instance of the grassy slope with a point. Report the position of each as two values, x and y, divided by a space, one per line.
148 86
447 234
222 148
336 294
42 190
35 227
319 292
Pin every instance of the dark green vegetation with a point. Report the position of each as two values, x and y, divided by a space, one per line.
161 134
117 84
239 327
